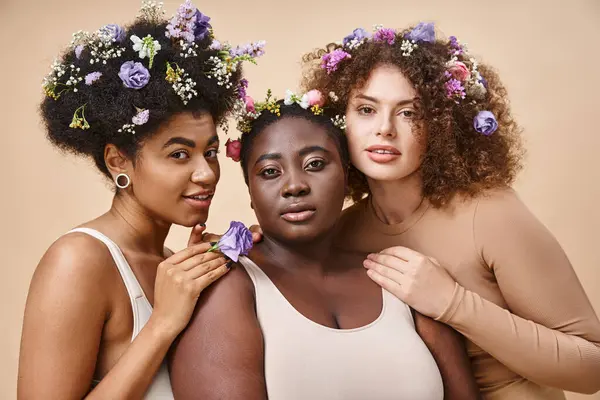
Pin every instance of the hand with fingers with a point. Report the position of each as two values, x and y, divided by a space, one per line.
179 281
199 236
417 280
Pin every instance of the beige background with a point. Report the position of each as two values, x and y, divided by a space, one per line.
547 54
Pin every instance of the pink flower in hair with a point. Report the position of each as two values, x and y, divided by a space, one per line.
249 102
315 98
459 71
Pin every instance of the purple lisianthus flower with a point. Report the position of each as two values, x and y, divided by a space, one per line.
202 26
483 81
423 32
134 75
485 123
115 31
78 51
331 60
235 242
358 34
92 77
141 117
385 35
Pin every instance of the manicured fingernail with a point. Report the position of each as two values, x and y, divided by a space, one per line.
229 264
201 225
213 243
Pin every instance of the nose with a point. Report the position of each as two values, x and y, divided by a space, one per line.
295 186
387 127
205 174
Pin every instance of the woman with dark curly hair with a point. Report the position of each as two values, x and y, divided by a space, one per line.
108 299
298 319
434 151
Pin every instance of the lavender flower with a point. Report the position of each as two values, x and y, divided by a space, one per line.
134 75
141 117
242 88
78 51
485 123
235 242
202 27
215 45
116 32
92 77
253 50
456 48
357 35
385 35
188 24
331 60
423 32
454 89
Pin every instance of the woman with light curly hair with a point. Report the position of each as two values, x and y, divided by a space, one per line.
434 151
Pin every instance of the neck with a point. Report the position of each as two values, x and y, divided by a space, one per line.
395 201
137 228
303 256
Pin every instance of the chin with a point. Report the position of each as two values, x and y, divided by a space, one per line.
383 172
191 220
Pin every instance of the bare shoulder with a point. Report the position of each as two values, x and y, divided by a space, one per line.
75 261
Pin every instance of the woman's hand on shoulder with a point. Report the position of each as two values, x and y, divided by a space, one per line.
414 278
198 235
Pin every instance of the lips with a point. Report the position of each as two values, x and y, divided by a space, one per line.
298 212
382 154
199 200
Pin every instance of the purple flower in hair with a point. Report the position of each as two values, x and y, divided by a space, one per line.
358 35
202 27
331 60
141 117
92 77
242 88
483 81
134 75
78 51
423 32
183 24
456 48
385 35
215 45
235 242
485 123
116 32
454 89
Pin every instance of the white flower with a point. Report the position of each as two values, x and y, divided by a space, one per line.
142 46
289 98
304 101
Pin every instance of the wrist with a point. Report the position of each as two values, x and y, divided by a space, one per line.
162 331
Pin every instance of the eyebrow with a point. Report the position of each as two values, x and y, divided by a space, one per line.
304 151
188 142
374 100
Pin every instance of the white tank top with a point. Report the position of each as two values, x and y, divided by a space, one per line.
160 388
383 360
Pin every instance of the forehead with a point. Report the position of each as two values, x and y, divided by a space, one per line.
198 127
289 135
387 82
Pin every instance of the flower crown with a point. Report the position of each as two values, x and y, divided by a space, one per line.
187 29
247 111
462 77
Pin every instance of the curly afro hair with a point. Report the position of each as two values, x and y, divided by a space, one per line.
109 104
267 118
457 160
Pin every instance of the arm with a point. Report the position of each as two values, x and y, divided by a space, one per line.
550 334
448 350
68 306
66 310
220 354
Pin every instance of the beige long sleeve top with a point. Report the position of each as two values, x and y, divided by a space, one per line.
530 327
